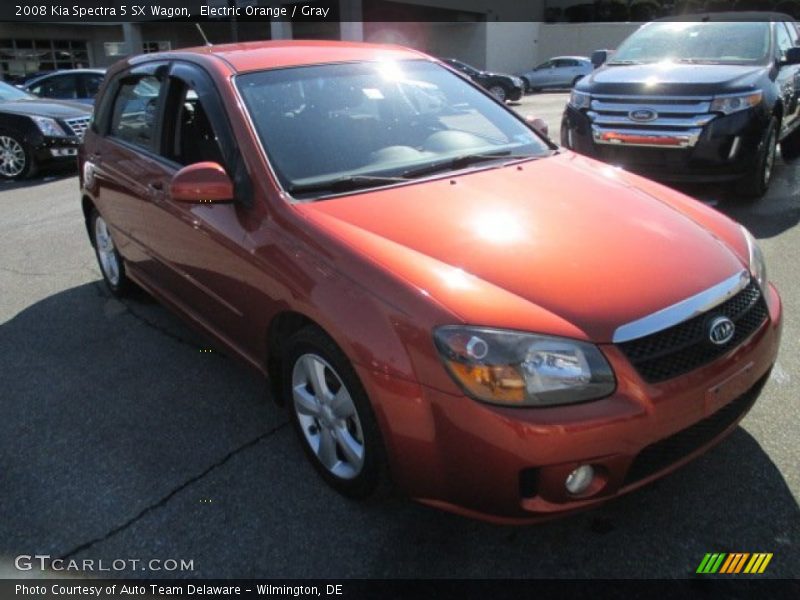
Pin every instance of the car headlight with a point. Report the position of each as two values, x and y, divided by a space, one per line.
758 266
523 369
735 103
579 100
49 127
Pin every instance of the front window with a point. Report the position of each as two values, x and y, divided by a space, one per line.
724 43
9 93
377 123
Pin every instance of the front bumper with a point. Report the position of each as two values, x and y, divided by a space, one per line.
724 149
56 151
509 465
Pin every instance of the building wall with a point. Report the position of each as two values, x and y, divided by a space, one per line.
510 47
558 39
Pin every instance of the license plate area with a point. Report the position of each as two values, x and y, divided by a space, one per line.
728 390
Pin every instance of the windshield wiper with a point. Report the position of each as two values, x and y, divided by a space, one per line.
465 160
343 184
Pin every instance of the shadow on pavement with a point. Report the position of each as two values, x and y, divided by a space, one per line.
120 439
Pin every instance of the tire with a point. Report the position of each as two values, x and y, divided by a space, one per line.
111 264
339 433
499 91
756 183
790 147
16 158
526 85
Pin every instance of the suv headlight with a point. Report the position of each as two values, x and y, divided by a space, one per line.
49 127
522 369
579 100
758 266
735 103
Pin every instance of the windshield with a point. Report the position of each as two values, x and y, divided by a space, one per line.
377 122
9 92
727 43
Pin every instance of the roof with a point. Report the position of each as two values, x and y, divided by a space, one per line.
755 16
253 56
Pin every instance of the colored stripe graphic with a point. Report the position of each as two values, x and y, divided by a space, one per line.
733 563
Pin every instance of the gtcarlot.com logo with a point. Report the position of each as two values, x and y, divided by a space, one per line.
734 563
27 562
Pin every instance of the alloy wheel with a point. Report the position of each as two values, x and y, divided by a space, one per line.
12 157
327 416
498 91
106 251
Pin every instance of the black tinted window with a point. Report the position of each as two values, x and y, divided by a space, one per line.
63 87
91 84
135 111
195 139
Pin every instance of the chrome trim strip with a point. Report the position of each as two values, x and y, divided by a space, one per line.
695 108
683 310
643 98
625 120
685 139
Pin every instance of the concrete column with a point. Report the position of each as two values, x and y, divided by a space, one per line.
132 36
351 27
280 30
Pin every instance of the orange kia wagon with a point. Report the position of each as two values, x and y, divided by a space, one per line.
440 296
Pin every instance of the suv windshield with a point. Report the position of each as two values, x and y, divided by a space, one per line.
727 43
329 128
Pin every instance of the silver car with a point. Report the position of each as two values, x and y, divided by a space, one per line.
558 72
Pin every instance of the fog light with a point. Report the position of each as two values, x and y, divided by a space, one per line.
580 479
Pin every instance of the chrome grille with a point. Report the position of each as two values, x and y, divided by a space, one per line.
685 347
678 120
78 125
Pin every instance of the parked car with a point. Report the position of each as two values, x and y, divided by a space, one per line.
435 291
502 86
694 101
558 72
37 133
76 85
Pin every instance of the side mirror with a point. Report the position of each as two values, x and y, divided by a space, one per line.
538 124
792 56
201 183
599 57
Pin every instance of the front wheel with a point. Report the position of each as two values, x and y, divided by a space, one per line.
16 159
756 183
331 414
499 92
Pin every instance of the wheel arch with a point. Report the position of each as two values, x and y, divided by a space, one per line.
87 206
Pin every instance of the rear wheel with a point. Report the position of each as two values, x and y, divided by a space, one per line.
331 414
111 264
756 183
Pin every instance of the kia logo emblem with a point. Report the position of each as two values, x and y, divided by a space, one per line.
721 331
643 115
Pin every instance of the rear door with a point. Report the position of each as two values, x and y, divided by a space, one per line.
123 163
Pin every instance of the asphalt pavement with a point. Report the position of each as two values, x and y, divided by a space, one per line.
120 439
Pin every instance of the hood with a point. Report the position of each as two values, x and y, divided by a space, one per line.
571 236
55 109
671 79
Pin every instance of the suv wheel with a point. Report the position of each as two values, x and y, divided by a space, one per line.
756 183
16 160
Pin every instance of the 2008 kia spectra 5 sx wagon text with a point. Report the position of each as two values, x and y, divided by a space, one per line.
439 295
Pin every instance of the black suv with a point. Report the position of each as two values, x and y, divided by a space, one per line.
701 100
